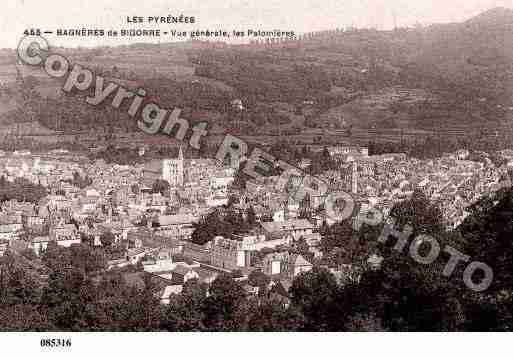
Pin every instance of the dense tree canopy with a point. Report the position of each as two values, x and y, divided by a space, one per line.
21 190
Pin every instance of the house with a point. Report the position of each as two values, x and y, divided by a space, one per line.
298 264
171 245
206 275
168 291
4 246
375 261
134 255
237 104
39 244
64 232
18 245
251 290
159 266
179 226
10 230
197 252
285 264
272 263
117 263
182 274
348 150
279 290
228 254
256 242
312 239
135 238
34 223
294 227
115 228
346 274
164 253
236 252
68 242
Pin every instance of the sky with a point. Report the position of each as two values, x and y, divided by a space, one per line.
286 15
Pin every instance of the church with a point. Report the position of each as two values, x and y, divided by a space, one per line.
173 170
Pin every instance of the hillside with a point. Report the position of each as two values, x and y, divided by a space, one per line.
447 76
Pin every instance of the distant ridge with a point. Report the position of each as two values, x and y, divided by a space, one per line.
499 16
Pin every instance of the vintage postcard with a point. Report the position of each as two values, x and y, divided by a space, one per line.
254 166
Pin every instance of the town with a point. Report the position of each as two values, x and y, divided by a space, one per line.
151 216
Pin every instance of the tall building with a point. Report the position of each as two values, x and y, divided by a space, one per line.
349 177
173 170
354 175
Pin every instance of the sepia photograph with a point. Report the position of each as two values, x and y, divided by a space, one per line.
240 166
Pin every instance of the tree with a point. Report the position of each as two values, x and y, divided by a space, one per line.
485 236
270 315
79 256
23 317
221 307
251 217
141 311
60 192
419 213
17 284
305 207
234 221
107 238
314 293
365 323
338 235
81 182
404 296
22 190
63 297
237 273
160 186
218 224
258 279
325 160
301 247
184 312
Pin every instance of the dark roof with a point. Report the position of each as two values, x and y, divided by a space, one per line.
182 270
294 224
280 290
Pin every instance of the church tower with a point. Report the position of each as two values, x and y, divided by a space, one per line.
180 165
173 170
354 178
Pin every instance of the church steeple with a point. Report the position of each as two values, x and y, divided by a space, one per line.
180 168
173 170
180 153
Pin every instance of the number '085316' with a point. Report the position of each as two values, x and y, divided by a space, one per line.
56 343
